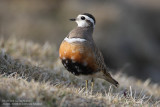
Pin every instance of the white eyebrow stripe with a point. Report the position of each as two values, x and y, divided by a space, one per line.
71 40
88 18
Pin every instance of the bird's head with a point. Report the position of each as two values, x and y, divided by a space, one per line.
85 20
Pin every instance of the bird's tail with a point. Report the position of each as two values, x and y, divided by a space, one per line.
111 80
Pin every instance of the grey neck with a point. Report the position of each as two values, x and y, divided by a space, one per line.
82 32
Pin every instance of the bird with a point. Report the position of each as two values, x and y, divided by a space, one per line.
80 55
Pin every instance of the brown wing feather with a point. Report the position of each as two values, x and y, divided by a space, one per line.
102 67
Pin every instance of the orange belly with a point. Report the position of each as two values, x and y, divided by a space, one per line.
78 53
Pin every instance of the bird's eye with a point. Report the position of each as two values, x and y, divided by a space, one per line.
83 18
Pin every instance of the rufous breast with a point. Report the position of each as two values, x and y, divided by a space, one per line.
77 58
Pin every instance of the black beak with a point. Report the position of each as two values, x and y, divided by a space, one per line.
72 19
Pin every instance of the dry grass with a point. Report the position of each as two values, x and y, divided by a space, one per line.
31 74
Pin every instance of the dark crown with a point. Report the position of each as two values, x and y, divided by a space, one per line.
91 16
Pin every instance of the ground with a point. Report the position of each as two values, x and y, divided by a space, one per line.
31 74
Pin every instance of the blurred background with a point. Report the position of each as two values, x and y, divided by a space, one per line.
127 31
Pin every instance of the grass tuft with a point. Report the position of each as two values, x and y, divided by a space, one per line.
32 73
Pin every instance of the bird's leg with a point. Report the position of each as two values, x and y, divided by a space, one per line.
86 85
92 85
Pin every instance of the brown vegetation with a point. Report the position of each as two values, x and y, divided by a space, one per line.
32 72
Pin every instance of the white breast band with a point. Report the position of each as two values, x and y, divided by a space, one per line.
70 40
